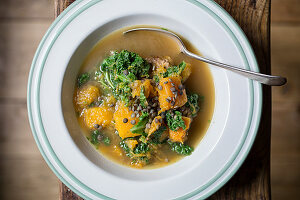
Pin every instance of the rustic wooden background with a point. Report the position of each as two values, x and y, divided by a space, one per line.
23 172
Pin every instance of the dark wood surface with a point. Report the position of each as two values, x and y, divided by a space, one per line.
252 181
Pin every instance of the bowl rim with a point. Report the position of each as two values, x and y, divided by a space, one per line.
222 23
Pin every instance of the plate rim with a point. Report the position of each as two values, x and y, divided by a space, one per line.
196 3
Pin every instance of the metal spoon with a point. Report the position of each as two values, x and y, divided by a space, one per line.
262 78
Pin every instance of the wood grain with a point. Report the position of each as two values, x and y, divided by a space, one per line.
18 42
287 11
26 10
252 181
23 172
285 151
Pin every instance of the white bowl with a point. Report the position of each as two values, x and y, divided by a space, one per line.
56 131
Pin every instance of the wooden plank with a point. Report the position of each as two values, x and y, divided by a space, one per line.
285 11
18 43
252 181
16 140
22 168
285 178
26 9
27 179
285 61
285 130
285 151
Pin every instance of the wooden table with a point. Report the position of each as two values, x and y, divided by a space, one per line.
252 181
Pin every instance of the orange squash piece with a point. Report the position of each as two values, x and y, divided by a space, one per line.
181 134
166 96
131 143
86 95
124 128
185 74
137 86
98 115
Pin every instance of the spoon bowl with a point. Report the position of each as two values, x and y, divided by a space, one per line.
262 78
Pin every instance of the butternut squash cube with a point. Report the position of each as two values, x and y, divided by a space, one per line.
181 134
185 74
137 86
171 94
122 117
102 116
86 95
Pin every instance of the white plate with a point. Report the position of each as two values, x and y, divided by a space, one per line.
52 77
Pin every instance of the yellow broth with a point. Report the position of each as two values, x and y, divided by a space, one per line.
149 44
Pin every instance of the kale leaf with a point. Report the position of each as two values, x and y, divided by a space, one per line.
156 78
174 120
175 70
180 148
139 152
156 137
106 140
141 148
143 99
193 104
96 135
141 125
82 79
120 70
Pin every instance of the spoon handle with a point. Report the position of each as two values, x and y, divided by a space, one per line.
262 78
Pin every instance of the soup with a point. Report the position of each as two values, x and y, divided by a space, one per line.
141 102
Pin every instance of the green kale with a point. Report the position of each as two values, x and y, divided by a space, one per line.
193 104
120 70
82 79
106 140
141 148
175 70
180 148
156 78
96 135
156 137
141 159
126 148
174 120
141 125
143 99
139 152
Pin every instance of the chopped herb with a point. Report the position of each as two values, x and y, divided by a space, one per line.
180 148
156 78
175 70
193 104
95 135
143 99
82 79
175 122
141 148
106 141
156 137
141 125
113 69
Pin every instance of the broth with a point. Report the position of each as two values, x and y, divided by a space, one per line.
149 44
